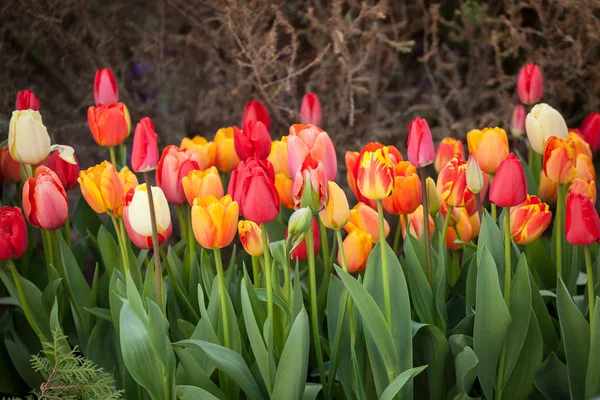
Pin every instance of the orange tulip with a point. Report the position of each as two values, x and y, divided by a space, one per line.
585 167
285 190
475 224
337 212
206 150
251 238
201 184
462 230
110 124
9 168
226 158
447 150
101 187
407 193
581 146
129 181
489 146
417 224
351 160
585 187
547 190
375 178
452 183
529 220
357 247
214 221
559 159
279 157
366 219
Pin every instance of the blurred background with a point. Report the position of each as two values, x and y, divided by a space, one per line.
191 65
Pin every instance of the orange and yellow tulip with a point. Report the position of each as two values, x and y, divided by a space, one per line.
279 157
375 177
285 190
251 238
489 146
337 212
129 181
226 158
407 193
366 219
452 183
101 187
461 230
559 159
201 184
214 221
585 187
416 223
446 151
475 224
357 247
205 150
581 146
529 220
110 124
547 190
585 167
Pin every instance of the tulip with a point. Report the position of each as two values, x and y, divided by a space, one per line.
300 253
110 124
421 151
13 233
366 219
252 186
226 158
142 241
475 180
590 130
101 187
559 160
26 100
206 150
299 221
452 183
351 161
447 150
129 182
454 215
201 184
310 110
375 177
106 90
489 147
356 249
517 121
582 224
417 224
279 157
214 221
337 212
139 211
547 190
309 141
253 141
145 147
585 167
461 230
579 143
509 187
529 220
9 168
584 187
433 201
174 164
310 188
251 238
543 122
44 200
407 192
67 173
255 110
285 190
28 139
530 84
475 224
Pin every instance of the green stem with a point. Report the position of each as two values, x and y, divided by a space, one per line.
223 292
287 283
590 284
68 230
560 202
122 154
338 235
479 207
507 283
267 256
322 296
124 255
155 244
385 276
23 301
446 225
397 234
256 271
423 177
182 223
47 244
172 281
191 247
494 212
113 157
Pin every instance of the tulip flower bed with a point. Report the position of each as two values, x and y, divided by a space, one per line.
480 291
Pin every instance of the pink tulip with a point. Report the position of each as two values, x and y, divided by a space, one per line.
530 84
45 200
310 141
26 100
517 122
174 164
310 110
145 148
421 151
255 110
106 90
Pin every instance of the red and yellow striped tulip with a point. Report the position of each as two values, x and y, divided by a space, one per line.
529 220
375 178
251 238
446 151
559 160
366 219
452 183
580 145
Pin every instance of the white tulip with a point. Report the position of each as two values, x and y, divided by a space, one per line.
542 123
139 211
28 139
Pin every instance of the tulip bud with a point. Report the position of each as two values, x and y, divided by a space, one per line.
582 224
106 90
110 124
590 129
366 219
255 110
310 141
174 164
28 139
26 100
310 110
201 184
337 212
139 211
9 168
299 221
145 147
433 201
421 151
584 187
530 84
357 247
559 160
142 241
489 146
13 233
45 200
543 122
226 158
299 251
251 238
509 187
517 122
66 172
101 187
375 178
206 150
474 176
253 141
446 151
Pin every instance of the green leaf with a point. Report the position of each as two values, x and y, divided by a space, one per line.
433 345
398 383
197 374
85 219
311 391
20 356
278 301
466 363
49 293
103 313
492 320
109 250
193 393
532 185
551 379
491 237
76 283
592 380
541 264
544 319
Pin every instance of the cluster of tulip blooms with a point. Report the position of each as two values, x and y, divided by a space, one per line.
243 173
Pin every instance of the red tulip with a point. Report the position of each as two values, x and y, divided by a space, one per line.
253 141
145 148
509 187
582 224
310 110
26 100
66 172
9 168
300 253
590 129
255 110
13 233
45 200
421 151
252 186
517 122
530 84
311 142
106 90
174 164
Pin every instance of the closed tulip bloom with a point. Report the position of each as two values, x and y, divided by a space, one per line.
67 173
255 110
310 110
310 141
142 241
452 183
590 130
252 186
542 123
489 146
144 155
110 124
357 247
446 151
582 224
201 184
475 181
13 233
101 187
28 139
375 178
310 186
579 143
206 150
547 190
461 230
585 187
417 224
214 221
421 151
285 190
9 168
559 160
407 192
366 219
433 201
300 221
45 200
139 211
129 182
279 157
106 90
584 167
517 121
300 253
529 220
253 141
226 158
337 212
251 238
26 100
174 164
530 84
509 187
